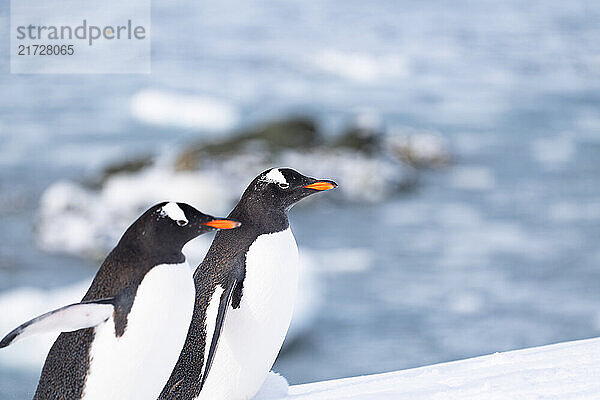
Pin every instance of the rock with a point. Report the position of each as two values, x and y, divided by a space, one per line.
420 149
125 166
359 138
290 133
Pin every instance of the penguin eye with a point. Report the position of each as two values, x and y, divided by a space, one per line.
283 185
181 222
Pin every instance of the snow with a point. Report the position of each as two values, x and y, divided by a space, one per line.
568 370
163 108
274 387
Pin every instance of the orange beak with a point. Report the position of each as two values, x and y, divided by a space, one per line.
321 185
223 224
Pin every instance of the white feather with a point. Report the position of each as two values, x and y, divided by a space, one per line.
275 176
66 319
173 211
211 320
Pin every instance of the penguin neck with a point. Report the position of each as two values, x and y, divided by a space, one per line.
156 255
253 214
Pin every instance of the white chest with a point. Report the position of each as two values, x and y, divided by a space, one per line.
253 333
138 364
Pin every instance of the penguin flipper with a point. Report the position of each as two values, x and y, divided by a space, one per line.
223 306
65 319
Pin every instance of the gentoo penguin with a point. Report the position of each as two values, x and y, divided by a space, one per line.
245 294
123 339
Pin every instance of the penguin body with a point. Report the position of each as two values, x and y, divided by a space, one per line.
147 350
253 333
123 339
245 294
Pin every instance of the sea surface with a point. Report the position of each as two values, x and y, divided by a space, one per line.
498 251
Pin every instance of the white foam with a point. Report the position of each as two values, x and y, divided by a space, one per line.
472 178
554 150
565 211
419 147
76 220
184 111
275 176
341 260
362 67
173 211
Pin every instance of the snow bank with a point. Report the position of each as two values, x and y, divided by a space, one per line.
274 387
568 370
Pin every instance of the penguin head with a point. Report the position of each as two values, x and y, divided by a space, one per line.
169 226
281 188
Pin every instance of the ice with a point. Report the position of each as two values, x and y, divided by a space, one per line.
184 111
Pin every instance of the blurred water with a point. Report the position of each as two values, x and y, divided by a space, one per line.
498 252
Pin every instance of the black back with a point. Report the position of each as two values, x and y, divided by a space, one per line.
153 239
262 209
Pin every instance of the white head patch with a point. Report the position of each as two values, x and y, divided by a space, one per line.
275 176
173 211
